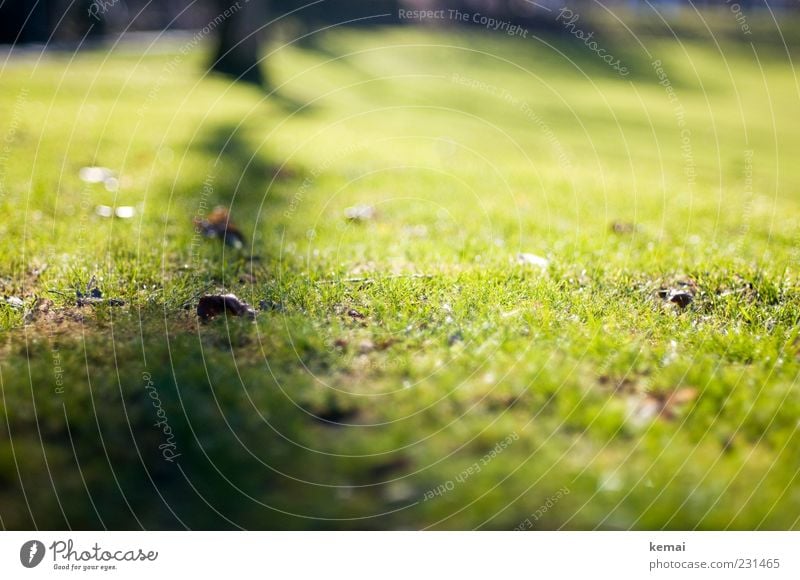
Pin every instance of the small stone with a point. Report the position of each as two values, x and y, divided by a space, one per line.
111 184
125 212
105 211
532 260
95 174
366 346
455 338
15 302
360 213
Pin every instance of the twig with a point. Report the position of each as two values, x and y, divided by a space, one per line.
371 280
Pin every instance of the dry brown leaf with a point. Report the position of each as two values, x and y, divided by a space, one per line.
213 305
219 225
622 228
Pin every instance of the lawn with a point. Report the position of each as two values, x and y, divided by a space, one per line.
636 368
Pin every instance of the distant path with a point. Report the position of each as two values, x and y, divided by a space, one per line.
156 42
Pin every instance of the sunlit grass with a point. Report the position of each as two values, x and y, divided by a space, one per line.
418 329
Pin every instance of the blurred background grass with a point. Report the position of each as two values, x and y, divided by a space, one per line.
471 147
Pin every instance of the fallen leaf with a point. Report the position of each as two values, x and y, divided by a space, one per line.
622 228
353 313
360 213
681 396
532 260
664 404
213 305
219 225
682 299
384 344
671 402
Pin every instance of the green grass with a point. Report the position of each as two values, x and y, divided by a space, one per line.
460 347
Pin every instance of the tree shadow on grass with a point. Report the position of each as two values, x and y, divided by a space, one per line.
246 174
162 432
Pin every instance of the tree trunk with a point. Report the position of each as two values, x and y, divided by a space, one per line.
239 39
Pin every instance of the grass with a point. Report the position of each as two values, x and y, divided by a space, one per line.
405 371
